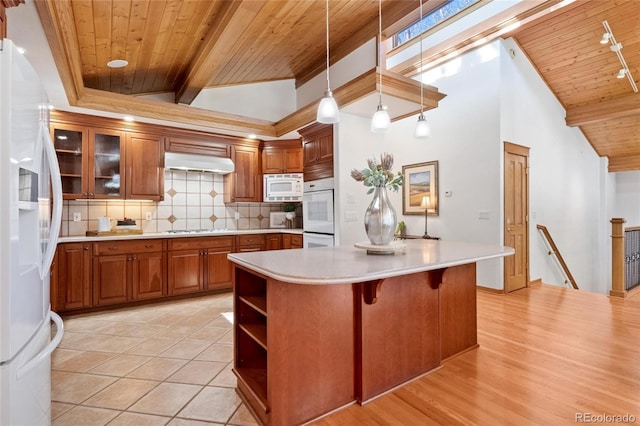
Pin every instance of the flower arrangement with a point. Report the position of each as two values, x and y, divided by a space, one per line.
379 174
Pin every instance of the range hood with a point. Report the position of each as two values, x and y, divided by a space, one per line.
200 163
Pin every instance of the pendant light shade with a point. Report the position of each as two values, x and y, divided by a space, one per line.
423 131
380 121
328 108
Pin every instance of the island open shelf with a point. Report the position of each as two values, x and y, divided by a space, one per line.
320 329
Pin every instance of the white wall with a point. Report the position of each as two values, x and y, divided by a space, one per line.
466 144
627 193
565 175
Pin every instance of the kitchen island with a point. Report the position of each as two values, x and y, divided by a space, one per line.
319 329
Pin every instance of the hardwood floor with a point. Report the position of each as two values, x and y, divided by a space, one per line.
547 356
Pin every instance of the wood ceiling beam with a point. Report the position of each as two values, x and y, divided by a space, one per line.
58 24
227 31
624 106
11 3
624 163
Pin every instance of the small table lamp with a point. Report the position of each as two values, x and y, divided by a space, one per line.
426 203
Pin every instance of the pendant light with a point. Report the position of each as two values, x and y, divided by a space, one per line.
423 131
328 108
380 121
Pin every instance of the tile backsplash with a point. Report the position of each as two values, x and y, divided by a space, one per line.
192 200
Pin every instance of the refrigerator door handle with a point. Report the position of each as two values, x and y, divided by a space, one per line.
56 196
44 353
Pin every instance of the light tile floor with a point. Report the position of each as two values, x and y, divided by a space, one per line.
164 364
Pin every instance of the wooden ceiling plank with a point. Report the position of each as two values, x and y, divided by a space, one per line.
219 44
121 12
162 41
135 35
102 23
83 17
620 107
152 22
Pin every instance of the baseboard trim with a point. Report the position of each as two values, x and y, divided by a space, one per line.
536 282
490 290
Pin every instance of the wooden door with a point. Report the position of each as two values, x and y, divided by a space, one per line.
145 167
72 149
218 269
147 275
516 216
74 272
272 242
106 164
293 160
185 271
110 279
273 161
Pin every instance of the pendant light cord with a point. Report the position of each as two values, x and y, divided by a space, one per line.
380 46
327 33
420 27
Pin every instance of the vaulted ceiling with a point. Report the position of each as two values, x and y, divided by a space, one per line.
186 46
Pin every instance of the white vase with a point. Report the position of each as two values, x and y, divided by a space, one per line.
380 218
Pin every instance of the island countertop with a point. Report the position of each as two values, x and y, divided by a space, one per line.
348 264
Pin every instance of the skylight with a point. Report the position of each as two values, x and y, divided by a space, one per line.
441 14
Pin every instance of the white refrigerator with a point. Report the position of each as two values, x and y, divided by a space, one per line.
30 213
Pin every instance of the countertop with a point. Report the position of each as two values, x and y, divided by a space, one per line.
347 264
150 235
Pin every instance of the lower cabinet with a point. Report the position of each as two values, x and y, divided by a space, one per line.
198 264
291 241
250 242
72 289
128 270
272 242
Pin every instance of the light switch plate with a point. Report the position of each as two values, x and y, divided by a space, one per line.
77 217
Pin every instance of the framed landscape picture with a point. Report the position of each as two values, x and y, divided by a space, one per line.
420 189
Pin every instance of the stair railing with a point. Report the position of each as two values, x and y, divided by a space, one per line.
553 250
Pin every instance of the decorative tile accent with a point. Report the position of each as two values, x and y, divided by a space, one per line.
259 217
172 192
213 193
172 218
213 218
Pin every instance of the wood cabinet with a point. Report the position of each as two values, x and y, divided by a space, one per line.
291 241
197 145
283 156
71 288
104 162
272 242
317 144
245 183
250 242
144 167
198 264
128 270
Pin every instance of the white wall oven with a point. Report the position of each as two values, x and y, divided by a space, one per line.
317 213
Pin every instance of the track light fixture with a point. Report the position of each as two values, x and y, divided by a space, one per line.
616 47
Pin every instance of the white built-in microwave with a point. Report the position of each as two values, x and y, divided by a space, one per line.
283 188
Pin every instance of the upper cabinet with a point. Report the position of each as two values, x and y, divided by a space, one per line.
245 183
144 167
317 143
283 156
106 162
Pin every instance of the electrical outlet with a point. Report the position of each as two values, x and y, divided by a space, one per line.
237 215
148 216
77 217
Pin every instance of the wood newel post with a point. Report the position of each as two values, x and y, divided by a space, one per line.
617 258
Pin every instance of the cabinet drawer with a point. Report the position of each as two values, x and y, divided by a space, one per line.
123 247
296 240
200 243
250 240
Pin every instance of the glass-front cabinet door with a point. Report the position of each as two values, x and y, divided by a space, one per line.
106 177
71 144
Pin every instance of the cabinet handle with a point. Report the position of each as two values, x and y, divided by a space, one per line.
113 248
148 245
86 247
91 194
